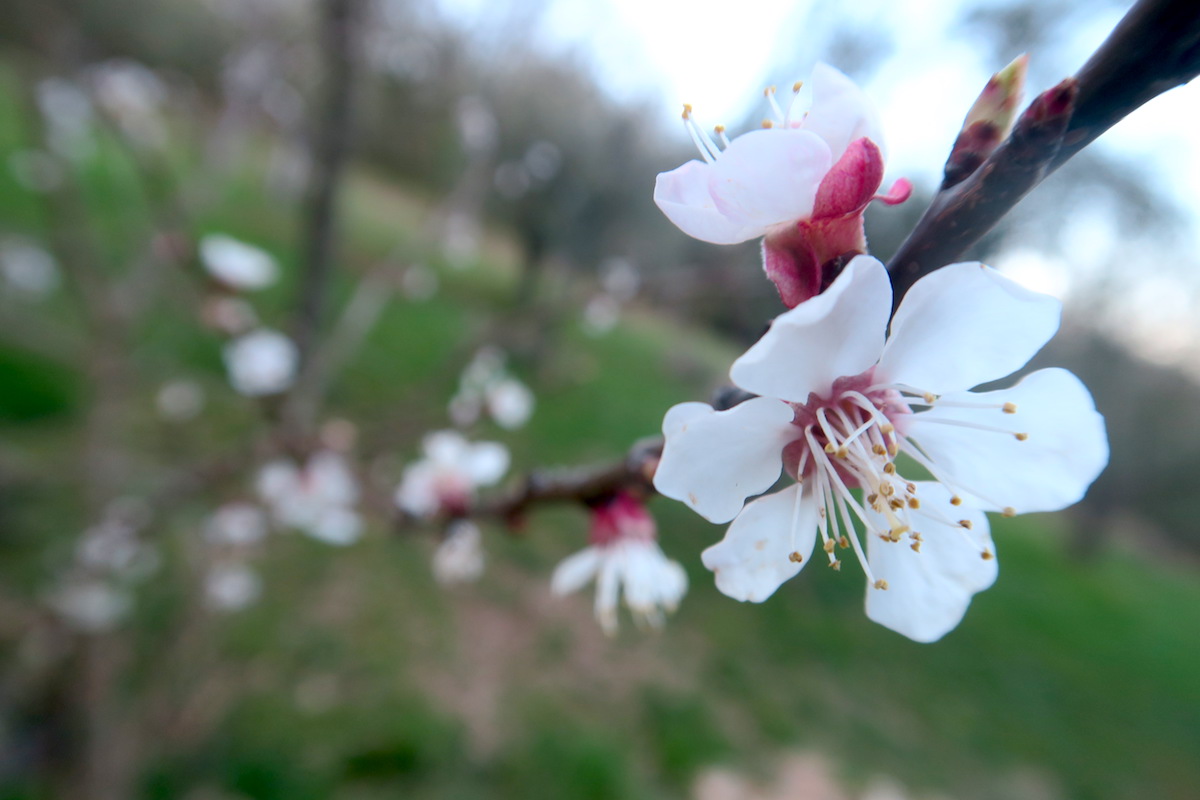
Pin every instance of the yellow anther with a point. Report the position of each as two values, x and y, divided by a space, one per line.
767 92
889 468
896 503
879 450
828 545
930 397
797 86
881 584
916 536
843 452
687 110
914 502
899 531
719 129
916 547
1021 436
795 557
768 124
1009 511
893 449
829 448
911 487
986 555
956 501
871 498
887 429
835 565
843 542
1010 408
966 523
887 490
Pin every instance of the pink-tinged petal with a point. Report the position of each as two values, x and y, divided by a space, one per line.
901 190
763 179
756 555
714 460
1065 449
574 571
841 112
685 196
850 183
835 334
928 591
964 325
769 177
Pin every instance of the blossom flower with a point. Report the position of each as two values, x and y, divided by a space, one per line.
623 553
802 184
231 587
261 362
237 524
837 405
236 264
317 498
485 385
459 556
445 480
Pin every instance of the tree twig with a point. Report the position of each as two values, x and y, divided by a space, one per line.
1155 47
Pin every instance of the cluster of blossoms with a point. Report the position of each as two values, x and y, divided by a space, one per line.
233 533
843 408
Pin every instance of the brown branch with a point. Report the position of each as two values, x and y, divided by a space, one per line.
577 484
1155 47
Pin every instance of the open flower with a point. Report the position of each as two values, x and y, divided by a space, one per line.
838 404
445 480
623 553
802 184
316 498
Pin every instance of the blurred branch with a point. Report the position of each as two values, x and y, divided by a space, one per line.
331 145
577 484
1155 47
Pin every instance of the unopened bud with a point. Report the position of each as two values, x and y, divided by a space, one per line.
988 122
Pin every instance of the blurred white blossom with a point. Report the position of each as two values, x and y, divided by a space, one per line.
231 586
238 524
261 362
317 498
459 557
445 480
485 385
623 554
236 264
91 605
28 268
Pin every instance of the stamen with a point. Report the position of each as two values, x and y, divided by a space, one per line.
880 584
704 143
1009 408
962 423
769 93
768 124
1021 437
719 130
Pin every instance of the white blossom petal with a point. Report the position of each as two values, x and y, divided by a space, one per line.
1065 450
839 332
714 460
237 264
486 463
964 325
764 178
928 591
841 112
574 571
754 558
